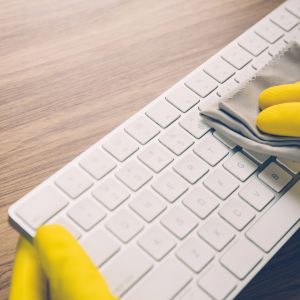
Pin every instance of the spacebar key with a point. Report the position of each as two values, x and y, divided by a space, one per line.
163 283
277 221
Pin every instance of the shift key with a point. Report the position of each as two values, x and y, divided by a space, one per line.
277 221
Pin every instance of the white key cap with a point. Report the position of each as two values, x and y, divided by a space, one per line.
110 193
63 221
156 157
200 201
191 168
194 293
170 186
228 89
219 69
124 225
99 246
163 113
195 254
201 84
241 258
142 129
221 183
277 221
244 75
268 31
217 233
237 213
182 98
240 166
275 177
120 146
125 270
179 221
261 61
217 282
210 149
256 194
74 182
157 242
86 213
293 166
226 141
293 6
134 175
147 205
274 50
192 123
176 139
253 43
284 19
170 276
236 56
40 207
259 157
98 164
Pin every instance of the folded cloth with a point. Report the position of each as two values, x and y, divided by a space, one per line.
235 117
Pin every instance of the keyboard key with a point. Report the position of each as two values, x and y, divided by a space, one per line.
147 205
110 193
125 270
221 183
98 164
219 69
163 113
293 6
86 213
244 75
226 283
237 213
156 157
256 194
193 124
74 182
277 48
277 221
157 242
99 246
179 221
176 139
120 146
124 225
182 98
193 293
217 233
63 221
241 258
268 31
253 43
201 84
284 19
228 89
236 56
42 206
275 177
142 129
200 201
240 166
170 276
293 166
259 157
170 186
210 149
226 141
191 168
134 175
195 254
261 61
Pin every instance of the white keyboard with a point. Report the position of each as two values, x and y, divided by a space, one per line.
169 209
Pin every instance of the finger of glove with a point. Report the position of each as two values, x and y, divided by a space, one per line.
70 272
282 119
28 280
274 95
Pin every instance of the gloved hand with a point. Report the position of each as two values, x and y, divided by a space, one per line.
281 110
55 267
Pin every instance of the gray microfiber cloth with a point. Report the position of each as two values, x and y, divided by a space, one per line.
235 117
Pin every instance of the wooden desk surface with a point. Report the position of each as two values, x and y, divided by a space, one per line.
71 70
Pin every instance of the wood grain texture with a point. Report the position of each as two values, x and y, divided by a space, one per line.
71 70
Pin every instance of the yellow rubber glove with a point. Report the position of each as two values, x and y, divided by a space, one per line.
281 110
55 267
